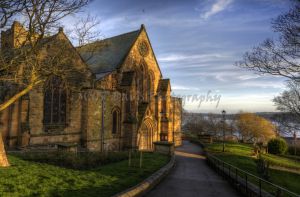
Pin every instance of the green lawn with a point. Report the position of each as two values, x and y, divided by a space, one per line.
240 155
28 178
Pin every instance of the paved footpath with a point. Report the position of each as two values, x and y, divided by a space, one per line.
192 177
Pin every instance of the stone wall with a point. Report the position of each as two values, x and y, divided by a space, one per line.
108 82
85 123
4 124
10 125
134 60
53 138
13 121
72 130
14 37
98 136
177 103
36 111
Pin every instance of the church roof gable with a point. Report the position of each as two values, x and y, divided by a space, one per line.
108 54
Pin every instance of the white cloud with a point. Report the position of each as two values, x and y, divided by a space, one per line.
264 84
247 77
217 7
180 87
182 57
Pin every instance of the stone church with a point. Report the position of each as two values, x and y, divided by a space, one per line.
125 102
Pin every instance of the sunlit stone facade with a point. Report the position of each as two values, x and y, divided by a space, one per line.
125 101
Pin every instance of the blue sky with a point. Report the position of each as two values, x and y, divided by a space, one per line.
196 44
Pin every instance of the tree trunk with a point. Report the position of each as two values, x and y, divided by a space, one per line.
13 99
3 158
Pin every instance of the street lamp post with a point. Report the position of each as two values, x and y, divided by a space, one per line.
223 116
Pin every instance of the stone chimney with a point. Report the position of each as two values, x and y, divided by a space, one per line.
60 29
13 37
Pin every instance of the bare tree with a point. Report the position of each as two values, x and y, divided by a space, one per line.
278 57
213 123
8 9
288 124
231 128
86 30
24 65
41 17
281 58
289 101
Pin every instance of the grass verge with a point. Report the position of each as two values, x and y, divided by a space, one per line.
27 178
240 155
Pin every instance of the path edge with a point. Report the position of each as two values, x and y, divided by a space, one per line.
146 185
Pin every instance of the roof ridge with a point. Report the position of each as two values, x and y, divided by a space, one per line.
123 34
109 55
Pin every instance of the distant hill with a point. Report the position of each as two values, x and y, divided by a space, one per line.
268 115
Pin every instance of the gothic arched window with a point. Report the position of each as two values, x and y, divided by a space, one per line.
150 88
141 80
55 99
115 121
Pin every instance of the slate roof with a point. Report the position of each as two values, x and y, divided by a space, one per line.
107 55
163 85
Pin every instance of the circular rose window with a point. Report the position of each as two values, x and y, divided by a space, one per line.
143 48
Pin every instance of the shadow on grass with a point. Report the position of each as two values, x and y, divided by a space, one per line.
124 178
77 161
28 178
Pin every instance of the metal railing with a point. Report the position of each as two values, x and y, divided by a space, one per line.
247 183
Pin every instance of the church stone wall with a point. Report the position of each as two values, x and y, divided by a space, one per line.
133 62
177 103
98 136
70 134
134 59
107 82
89 114
14 37
36 104
4 121
10 126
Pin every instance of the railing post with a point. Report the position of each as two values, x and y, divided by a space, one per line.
259 187
236 177
246 184
278 194
223 170
216 163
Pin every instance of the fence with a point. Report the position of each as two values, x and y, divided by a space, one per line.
246 183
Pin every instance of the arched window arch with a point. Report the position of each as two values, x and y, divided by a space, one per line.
141 79
115 121
55 101
128 104
150 88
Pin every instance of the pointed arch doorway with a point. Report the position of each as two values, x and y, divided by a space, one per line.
146 136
